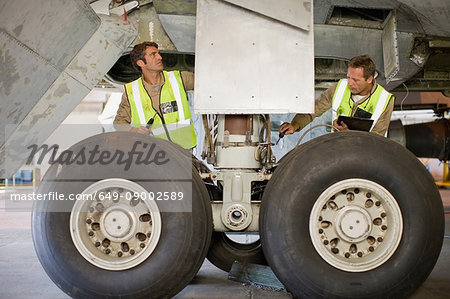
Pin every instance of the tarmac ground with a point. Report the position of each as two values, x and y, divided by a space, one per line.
22 276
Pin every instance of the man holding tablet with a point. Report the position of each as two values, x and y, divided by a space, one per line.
358 96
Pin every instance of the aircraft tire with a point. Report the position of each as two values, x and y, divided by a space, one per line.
351 215
223 252
168 246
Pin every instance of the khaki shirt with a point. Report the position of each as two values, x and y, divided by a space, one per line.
324 102
123 116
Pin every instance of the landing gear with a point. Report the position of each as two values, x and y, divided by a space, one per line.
351 209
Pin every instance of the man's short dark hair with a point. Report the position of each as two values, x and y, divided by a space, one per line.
138 53
364 62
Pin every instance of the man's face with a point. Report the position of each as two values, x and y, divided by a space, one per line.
357 83
153 60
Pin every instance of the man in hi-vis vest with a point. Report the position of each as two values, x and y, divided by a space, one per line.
156 103
358 96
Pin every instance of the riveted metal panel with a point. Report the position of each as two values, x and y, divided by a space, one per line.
54 29
47 68
247 63
390 48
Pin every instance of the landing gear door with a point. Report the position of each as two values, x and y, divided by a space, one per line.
251 61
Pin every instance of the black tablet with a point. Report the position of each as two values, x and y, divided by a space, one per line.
356 123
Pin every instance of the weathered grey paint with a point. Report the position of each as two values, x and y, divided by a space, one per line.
51 57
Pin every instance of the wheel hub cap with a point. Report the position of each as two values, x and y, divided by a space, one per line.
115 229
117 224
353 224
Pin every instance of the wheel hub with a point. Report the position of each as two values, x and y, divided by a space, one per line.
237 217
115 230
118 224
353 224
356 225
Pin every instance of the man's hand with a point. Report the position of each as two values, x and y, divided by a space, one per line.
141 129
341 127
287 129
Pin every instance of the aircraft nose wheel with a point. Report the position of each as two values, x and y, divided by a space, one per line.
115 230
356 225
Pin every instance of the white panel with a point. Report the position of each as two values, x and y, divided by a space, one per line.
247 63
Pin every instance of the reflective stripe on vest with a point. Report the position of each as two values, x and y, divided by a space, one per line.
138 103
159 129
176 93
176 113
381 105
338 94
376 104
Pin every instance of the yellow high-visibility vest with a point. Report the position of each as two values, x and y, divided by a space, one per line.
375 104
174 123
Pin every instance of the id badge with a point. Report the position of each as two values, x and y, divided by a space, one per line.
169 107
